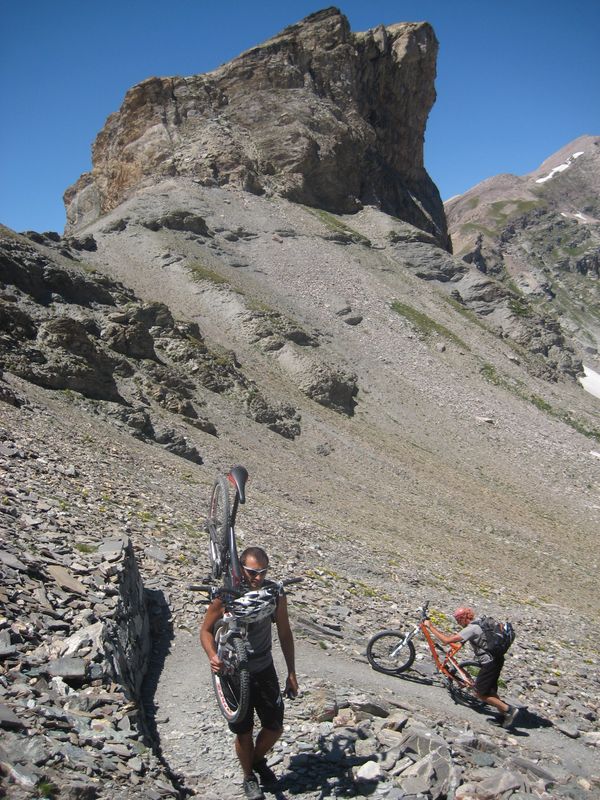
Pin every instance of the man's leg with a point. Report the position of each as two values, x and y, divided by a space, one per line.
244 748
486 685
269 707
493 700
265 741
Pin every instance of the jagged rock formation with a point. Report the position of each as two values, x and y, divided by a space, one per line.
74 647
318 114
540 235
87 335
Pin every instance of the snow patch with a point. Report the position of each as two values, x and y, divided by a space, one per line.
590 381
560 168
577 215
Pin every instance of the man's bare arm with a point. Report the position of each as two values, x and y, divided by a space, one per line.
445 638
213 614
286 640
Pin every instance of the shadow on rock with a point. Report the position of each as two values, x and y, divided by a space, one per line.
412 677
329 772
529 719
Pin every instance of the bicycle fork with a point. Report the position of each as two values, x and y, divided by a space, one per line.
230 630
409 636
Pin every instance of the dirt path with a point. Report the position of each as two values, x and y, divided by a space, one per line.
198 748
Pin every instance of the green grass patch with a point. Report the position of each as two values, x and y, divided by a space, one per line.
504 210
361 589
540 403
574 251
464 311
86 548
259 306
519 307
46 789
474 227
337 226
201 273
424 324
439 619
491 375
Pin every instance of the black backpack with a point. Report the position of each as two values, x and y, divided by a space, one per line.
497 636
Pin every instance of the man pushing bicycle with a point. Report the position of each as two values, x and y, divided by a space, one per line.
265 696
486 682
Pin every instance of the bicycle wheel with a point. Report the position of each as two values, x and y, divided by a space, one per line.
458 681
218 523
460 690
387 653
470 667
232 687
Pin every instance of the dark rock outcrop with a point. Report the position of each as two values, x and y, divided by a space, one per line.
122 359
317 114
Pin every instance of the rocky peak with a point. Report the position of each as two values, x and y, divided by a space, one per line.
317 114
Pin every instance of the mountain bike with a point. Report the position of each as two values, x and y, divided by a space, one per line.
241 606
222 513
393 652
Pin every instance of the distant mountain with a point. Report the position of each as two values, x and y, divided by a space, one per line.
540 234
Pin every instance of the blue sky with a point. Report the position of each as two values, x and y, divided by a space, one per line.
517 80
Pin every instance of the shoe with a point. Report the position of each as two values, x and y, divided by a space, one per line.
251 788
266 775
510 717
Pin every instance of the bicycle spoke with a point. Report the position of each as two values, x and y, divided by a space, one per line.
388 652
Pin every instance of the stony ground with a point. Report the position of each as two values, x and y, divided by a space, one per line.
68 478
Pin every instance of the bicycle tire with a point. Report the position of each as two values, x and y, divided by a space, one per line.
379 651
219 514
456 682
469 666
233 690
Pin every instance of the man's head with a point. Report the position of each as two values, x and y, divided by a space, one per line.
464 615
255 563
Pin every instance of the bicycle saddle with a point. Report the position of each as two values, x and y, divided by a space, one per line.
238 476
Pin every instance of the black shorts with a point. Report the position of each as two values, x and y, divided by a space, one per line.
486 683
265 699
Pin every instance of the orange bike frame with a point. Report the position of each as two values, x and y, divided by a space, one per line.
456 673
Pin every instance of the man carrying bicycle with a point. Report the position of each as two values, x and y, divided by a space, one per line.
486 682
265 696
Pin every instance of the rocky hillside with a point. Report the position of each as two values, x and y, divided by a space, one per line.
318 114
74 641
540 235
411 421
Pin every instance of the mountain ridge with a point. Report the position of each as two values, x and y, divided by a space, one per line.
540 234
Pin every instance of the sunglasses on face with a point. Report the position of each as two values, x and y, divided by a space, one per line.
254 573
